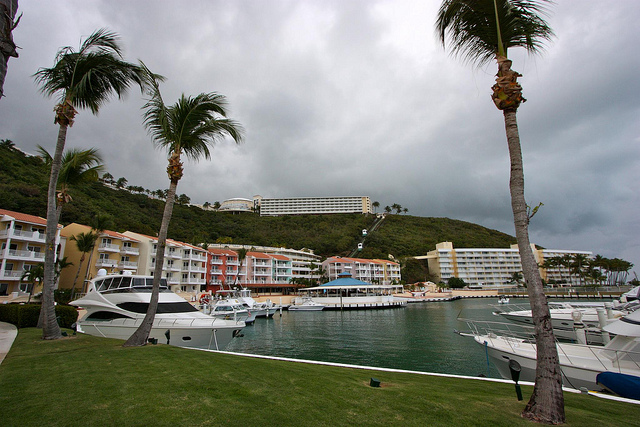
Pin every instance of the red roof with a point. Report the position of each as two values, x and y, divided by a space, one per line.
18 216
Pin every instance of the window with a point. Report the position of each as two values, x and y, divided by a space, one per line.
106 241
4 287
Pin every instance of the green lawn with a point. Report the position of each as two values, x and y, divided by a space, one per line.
84 380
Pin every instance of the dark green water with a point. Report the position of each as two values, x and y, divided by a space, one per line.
419 337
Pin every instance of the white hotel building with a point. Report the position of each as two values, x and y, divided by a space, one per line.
488 266
313 205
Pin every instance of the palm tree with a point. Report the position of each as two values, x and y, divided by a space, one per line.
99 223
375 205
78 167
86 78
190 127
8 9
33 275
85 242
481 31
242 255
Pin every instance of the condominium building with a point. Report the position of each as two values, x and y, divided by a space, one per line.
22 238
487 266
113 252
184 266
314 205
304 263
378 271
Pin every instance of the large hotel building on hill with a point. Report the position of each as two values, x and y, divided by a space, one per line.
313 205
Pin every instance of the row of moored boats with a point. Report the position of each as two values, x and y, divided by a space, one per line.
598 343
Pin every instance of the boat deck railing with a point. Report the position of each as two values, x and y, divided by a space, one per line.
522 337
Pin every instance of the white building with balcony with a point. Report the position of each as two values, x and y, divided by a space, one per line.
376 271
112 251
184 265
22 241
488 266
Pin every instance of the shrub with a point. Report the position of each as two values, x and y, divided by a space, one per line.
26 315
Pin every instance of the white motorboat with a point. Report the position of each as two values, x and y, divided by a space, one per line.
232 309
566 317
261 309
579 363
117 304
503 300
307 304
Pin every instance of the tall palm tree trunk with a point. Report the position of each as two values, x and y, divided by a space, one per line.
548 406
141 335
50 327
73 288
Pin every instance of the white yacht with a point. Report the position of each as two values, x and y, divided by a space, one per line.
116 305
306 304
567 317
261 309
232 309
580 364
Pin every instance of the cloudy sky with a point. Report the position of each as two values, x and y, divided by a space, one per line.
350 98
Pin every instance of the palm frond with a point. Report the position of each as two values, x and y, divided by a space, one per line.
90 76
476 36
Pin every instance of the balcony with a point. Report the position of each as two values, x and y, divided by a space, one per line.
106 263
128 250
216 261
174 254
128 265
26 255
195 269
108 247
197 256
32 236
13 274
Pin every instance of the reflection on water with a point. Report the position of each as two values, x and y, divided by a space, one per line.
420 337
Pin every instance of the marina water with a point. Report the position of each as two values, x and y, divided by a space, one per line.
419 337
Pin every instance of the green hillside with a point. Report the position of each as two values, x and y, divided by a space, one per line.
23 184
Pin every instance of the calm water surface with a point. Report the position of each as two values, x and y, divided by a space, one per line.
419 337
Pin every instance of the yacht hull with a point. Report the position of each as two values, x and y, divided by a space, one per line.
172 332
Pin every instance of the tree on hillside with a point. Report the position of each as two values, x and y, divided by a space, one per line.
121 182
108 178
190 127
375 205
86 78
482 31
8 10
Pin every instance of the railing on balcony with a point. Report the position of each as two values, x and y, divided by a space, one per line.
108 247
130 250
106 263
24 235
31 255
128 265
13 273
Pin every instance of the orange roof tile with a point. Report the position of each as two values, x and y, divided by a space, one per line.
19 216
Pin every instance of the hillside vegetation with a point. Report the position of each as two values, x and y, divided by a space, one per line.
23 188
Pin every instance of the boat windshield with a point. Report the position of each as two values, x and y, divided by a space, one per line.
163 307
128 284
